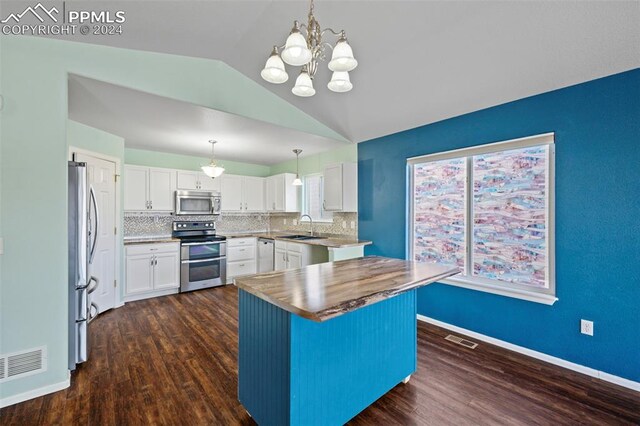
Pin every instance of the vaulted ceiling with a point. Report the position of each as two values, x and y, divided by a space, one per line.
419 62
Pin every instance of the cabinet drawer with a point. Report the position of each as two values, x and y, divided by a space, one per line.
136 249
297 247
235 269
240 242
282 245
241 253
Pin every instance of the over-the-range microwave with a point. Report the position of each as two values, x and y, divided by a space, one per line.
197 203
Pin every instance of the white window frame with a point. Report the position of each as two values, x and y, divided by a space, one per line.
305 203
546 296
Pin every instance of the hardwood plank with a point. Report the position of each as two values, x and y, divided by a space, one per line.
173 360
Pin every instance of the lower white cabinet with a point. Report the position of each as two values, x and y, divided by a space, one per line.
241 257
297 255
152 270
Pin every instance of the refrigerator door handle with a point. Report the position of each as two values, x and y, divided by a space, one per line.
92 195
91 288
91 315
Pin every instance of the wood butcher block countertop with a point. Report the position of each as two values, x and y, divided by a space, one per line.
326 290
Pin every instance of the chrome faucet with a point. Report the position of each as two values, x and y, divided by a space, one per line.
310 221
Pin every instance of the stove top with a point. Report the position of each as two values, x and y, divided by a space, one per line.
193 230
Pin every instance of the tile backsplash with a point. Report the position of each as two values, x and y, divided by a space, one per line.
149 224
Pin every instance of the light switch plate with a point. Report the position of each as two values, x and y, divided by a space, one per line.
586 327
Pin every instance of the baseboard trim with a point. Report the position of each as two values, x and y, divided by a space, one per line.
21 397
630 384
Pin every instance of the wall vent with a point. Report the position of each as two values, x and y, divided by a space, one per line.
24 363
460 341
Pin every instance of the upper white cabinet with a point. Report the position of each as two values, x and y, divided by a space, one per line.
148 188
194 181
341 187
281 195
242 193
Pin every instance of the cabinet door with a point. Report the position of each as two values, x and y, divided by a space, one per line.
162 187
280 260
187 180
166 271
139 274
294 260
209 184
254 194
269 194
278 193
232 193
333 187
135 188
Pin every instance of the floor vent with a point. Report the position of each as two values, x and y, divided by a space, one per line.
459 340
24 363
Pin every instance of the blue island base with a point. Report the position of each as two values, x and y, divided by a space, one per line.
294 371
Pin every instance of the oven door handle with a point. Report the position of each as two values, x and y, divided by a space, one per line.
204 260
208 243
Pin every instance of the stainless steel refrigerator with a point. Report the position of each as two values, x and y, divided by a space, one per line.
83 225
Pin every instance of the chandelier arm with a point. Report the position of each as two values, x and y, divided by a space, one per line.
328 45
336 33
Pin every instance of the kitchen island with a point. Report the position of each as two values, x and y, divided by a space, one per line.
319 344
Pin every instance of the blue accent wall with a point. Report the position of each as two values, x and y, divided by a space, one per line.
597 134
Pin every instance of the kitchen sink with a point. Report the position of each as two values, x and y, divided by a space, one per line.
300 237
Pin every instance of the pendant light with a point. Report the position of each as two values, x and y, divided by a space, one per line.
297 181
212 170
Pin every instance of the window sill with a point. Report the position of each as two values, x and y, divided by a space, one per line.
546 299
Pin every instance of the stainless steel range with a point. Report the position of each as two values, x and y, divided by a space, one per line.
203 255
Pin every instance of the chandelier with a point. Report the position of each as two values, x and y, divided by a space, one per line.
307 51
212 170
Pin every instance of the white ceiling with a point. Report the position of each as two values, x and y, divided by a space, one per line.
157 123
419 62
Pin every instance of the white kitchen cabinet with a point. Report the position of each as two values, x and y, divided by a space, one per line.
148 188
196 181
151 270
297 255
340 187
242 193
281 194
241 257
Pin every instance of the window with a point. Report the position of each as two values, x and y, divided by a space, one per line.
313 197
489 211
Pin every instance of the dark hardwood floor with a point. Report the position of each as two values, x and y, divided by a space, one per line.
172 361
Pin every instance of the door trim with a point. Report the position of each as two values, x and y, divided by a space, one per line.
118 297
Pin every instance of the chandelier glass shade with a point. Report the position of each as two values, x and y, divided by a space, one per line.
306 50
212 170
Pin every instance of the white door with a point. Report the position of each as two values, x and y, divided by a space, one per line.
254 194
209 184
232 193
101 176
166 271
280 260
135 188
332 189
187 180
278 192
162 187
139 273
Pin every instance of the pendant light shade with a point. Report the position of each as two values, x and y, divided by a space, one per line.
212 170
340 82
304 85
274 71
296 52
297 181
342 58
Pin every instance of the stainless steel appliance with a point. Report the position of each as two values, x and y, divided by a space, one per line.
203 255
197 203
265 255
82 230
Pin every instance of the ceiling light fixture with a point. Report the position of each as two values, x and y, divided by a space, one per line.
297 181
307 52
212 170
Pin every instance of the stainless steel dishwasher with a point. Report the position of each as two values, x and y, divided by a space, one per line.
265 255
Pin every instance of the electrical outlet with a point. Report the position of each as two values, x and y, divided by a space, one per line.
353 224
586 327
1 245
295 222
284 221
344 224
